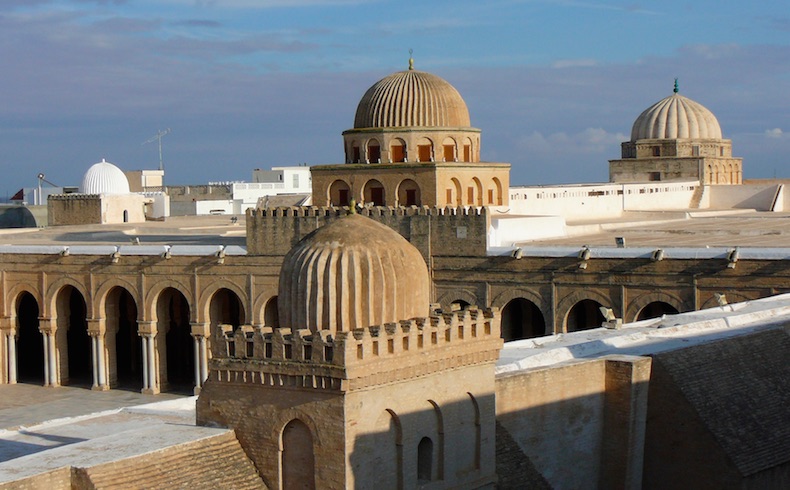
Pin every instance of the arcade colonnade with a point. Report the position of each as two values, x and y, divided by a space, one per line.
148 332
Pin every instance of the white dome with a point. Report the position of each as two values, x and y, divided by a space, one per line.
104 178
676 117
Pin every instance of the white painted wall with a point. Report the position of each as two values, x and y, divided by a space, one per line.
746 196
214 207
608 200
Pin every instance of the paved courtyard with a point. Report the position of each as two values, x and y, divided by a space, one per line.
27 404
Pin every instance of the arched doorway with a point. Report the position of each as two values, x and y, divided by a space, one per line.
655 310
339 193
522 319
29 343
409 193
373 193
584 315
298 459
173 329
123 343
72 321
225 309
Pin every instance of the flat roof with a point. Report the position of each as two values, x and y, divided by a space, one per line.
698 228
175 230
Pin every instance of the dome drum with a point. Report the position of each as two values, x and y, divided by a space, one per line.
412 145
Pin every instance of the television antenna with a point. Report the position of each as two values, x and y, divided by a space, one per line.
158 137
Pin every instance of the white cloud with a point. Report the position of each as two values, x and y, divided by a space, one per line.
590 140
775 133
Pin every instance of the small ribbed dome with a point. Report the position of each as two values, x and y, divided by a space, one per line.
411 99
676 117
352 273
104 178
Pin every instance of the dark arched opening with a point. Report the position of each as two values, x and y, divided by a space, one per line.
522 319
173 313
226 308
30 343
271 315
459 304
584 315
655 310
71 308
373 193
425 460
123 341
298 460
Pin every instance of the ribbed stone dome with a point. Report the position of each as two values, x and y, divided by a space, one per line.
352 273
676 117
104 178
411 99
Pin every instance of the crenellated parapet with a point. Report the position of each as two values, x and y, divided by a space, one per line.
301 358
433 230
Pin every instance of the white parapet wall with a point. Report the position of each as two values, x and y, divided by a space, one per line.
607 200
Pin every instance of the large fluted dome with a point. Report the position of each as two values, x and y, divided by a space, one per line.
676 117
104 178
352 273
411 98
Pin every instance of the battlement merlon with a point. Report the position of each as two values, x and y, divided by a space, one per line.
363 357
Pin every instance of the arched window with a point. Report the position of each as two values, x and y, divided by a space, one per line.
271 316
522 319
425 460
655 310
356 154
339 193
584 315
373 193
448 150
468 150
409 193
398 150
374 151
425 150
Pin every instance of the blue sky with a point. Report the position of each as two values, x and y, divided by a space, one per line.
243 84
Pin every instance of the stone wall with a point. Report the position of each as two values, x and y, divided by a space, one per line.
369 398
74 209
580 422
434 231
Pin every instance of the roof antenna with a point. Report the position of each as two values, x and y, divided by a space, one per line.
676 86
411 60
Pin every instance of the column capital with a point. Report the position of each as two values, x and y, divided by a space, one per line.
47 325
200 329
96 326
6 323
146 328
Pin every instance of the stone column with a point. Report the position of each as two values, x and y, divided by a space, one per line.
49 331
11 355
199 332
97 330
147 332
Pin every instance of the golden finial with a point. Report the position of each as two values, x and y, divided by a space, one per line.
411 60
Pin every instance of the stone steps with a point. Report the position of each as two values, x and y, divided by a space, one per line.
213 462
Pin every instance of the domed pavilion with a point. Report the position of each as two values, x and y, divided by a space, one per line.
104 197
677 139
412 144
